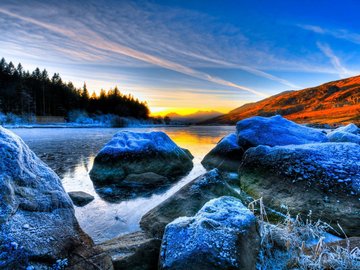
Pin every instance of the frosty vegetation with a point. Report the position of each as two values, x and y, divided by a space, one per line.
297 244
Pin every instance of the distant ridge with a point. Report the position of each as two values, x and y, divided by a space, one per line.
336 102
194 117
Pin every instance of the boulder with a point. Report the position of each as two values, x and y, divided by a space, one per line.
350 128
134 251
37 220
322 178
137 153
94 258
274 131
222 235
225 156
80 198
186 202
341 136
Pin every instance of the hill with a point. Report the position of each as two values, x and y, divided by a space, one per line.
336 102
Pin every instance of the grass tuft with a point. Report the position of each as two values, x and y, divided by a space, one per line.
288 244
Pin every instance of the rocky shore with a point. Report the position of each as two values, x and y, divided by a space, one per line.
289 177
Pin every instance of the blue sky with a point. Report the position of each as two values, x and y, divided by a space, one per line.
186 55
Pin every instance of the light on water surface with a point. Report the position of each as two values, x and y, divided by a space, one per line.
70 152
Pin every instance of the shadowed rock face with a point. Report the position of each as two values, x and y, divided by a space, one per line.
321 178
226 155
80 198
185 202
222 235
134 251
36 214
137 153
273 131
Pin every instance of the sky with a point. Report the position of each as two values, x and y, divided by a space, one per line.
184 56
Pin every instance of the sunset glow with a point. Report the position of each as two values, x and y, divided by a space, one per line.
154 51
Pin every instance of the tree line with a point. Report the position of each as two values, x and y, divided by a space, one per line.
35 93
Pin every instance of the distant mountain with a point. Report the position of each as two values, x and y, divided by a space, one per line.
336 102
194 117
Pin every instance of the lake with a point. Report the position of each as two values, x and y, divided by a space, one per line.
70 152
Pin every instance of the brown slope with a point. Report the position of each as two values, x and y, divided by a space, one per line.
336 102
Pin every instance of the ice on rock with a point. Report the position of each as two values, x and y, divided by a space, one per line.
274 131
222 235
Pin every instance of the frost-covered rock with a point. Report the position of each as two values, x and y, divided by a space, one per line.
137 153
341 136
35 211
222 235
323 178
186 202
226 155
274 131
350 128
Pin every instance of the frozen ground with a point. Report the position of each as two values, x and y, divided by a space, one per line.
70 153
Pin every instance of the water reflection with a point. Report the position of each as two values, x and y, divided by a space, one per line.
70 153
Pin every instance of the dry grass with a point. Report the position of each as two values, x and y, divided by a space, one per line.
284 246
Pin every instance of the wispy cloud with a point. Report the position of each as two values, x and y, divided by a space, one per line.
88 36
335 33
335 61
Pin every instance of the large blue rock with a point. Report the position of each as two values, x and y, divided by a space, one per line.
222 235
342 136
37 218
350 128
349 133
321 178
276 130
138 153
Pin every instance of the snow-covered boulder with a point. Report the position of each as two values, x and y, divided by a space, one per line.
226 155
186 202
222 235
341 136
350 128
323 178
137 153
274 131
37 220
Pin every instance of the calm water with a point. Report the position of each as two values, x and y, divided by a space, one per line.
70 153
